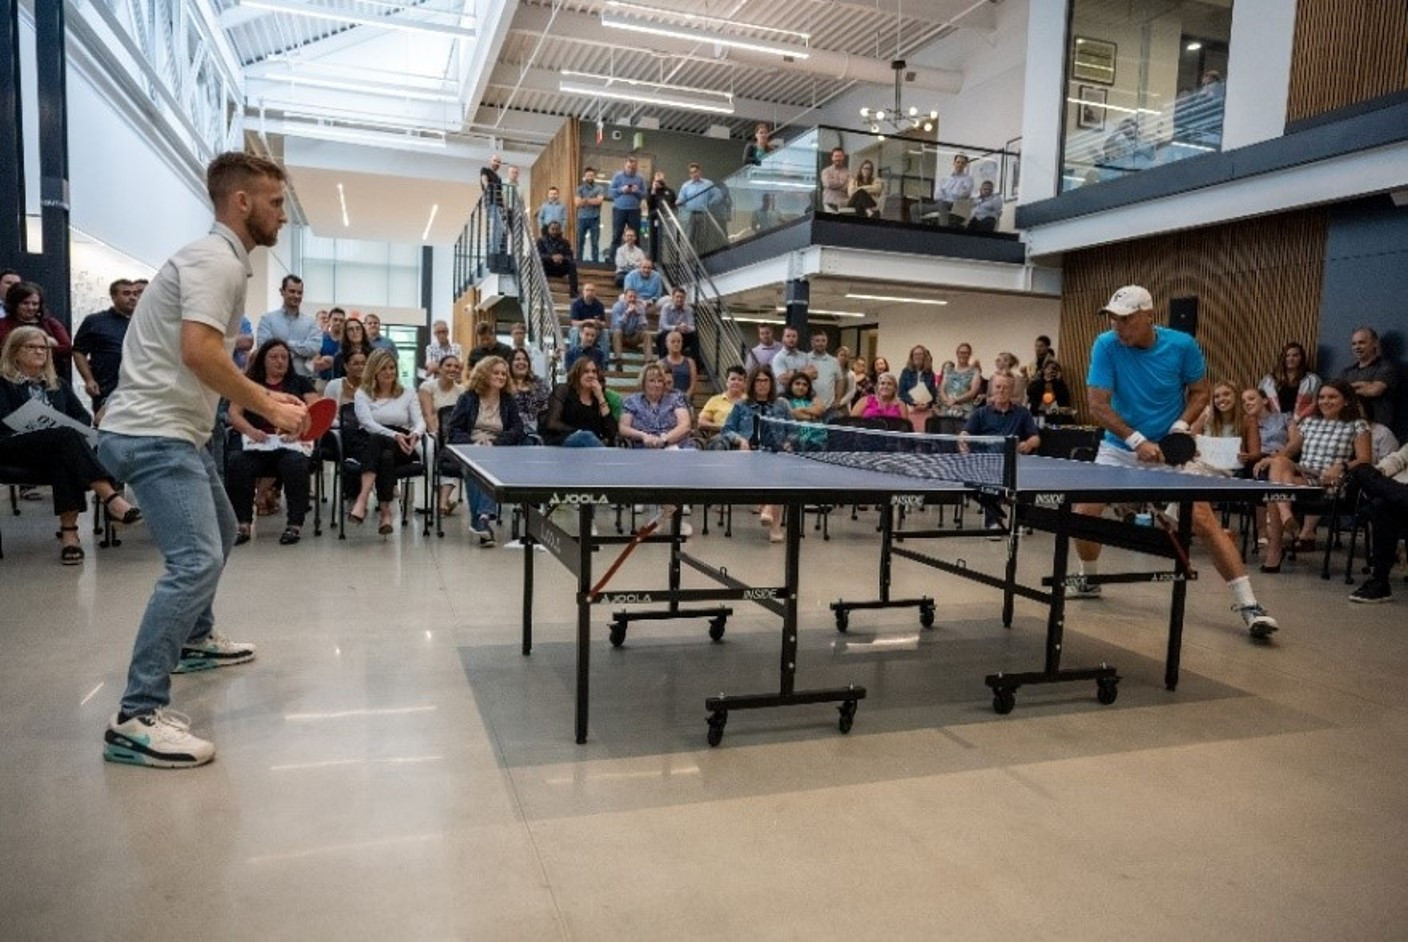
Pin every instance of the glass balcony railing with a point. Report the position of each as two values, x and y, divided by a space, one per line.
826 171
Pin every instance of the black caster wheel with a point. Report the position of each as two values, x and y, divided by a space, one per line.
847 710
843 621
1003 700
926 616
1106 691
716 628
717 720
618 634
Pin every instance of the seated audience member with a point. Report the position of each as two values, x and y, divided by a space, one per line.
529 391
987 209
578 414
864 190
391 426
860 384
1001 415
440 348
1372 377
59 456
630 324
655 416
1224 417
1050 392
485 415
742 430
801 399
587 346
835 182
518 334
1291 387
1273 432
354 340
646 282
487 344
588 309
958 185
884 402
1385 490
629 255
716 411
556 254
266 453
25 303
681 369
1328 444
919 385
676 314
962 383
97 346
1008 365
442 391
766 348
344 389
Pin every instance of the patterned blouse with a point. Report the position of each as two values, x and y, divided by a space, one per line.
1325 441
656 418
531 402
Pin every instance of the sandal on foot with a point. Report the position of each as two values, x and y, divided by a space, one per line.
385 529
290 536
449 508
130 517
70 555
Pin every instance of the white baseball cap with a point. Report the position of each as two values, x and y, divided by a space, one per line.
1127 300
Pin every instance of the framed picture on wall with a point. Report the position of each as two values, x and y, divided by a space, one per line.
1090 107
1093 60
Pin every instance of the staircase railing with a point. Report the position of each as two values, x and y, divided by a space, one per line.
721 343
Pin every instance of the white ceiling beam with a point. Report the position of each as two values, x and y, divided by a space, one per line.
570 26
329 11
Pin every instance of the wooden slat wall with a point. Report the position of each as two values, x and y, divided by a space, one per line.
1258 284
1346 51
558 165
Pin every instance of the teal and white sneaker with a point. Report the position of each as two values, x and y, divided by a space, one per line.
1259 624
215 651
161 739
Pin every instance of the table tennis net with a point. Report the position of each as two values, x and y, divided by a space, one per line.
979 461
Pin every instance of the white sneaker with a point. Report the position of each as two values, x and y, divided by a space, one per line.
685 528
995 533
215 651
161 739
1082 588
1259 624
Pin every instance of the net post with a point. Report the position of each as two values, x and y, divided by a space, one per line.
1009 468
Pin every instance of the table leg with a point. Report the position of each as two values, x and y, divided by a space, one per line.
1180 595
528 553
584 616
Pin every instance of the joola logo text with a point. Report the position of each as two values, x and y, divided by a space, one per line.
626 598
580 499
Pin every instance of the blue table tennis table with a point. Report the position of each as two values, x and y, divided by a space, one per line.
1041 491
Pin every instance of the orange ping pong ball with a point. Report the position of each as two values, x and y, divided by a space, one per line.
1048 397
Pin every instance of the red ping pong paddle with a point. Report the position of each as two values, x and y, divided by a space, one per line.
321 415
1178 448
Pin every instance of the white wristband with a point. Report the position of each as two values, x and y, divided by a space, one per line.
1179 426
1135 440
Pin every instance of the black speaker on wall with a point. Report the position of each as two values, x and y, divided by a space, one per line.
1183 315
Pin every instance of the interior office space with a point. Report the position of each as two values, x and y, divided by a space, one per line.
391 766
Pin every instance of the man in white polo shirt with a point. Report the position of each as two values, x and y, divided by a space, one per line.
176 365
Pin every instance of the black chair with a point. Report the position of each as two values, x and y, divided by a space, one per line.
347 470
234 442
16 477
443 466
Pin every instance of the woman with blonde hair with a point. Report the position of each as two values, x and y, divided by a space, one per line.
391 425
60 456
486 415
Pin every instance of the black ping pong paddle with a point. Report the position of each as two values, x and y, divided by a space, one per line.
1178 448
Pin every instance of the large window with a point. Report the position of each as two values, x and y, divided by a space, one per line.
1144 85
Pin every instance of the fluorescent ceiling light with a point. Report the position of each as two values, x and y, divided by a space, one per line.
897 300
342 135
342 200
320 11
614 20
754 320
426 235
668 88
647 98
826 313
1194 46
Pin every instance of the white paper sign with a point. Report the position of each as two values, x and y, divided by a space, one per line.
35 415
1220 452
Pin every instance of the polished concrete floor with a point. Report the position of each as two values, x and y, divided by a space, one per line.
392 768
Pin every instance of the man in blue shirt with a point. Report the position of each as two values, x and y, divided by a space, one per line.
627 191
590 196
300 331
646 282
587 347
695 198
374 337
1001 416
554 210
1145 382
587 309
630 323
97 347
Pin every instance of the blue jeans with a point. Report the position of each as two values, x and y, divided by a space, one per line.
585 228
480 503
191 521
578 439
